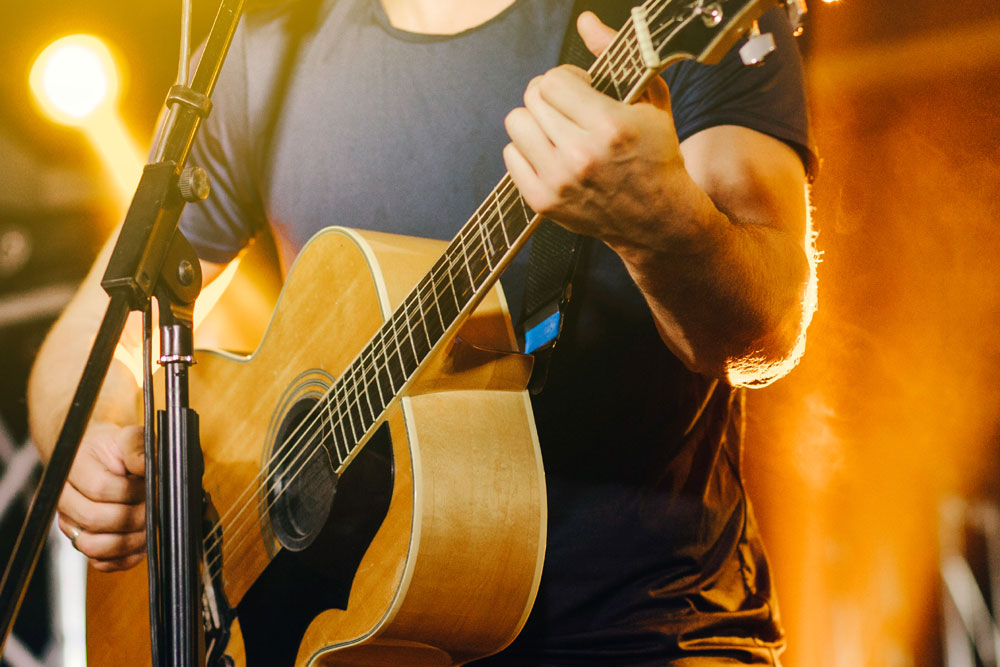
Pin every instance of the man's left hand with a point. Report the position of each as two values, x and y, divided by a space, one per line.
596 165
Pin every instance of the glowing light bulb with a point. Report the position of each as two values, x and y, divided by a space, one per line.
75 82
74 78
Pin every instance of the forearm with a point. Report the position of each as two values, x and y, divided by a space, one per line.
728 296
61 359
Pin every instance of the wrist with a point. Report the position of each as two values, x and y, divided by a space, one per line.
695 231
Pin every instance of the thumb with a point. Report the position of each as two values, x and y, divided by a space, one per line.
596 36
133 450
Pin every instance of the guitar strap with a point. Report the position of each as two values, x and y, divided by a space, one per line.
558 255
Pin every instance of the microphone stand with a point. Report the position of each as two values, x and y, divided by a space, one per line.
150 258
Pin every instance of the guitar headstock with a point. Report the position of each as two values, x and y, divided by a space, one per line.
704 30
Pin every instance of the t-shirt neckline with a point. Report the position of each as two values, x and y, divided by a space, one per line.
382 18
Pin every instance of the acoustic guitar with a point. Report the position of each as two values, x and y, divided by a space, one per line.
373 477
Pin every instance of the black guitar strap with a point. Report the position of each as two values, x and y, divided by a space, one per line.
557 255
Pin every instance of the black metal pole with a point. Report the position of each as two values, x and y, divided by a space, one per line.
43 506
146 239
180 497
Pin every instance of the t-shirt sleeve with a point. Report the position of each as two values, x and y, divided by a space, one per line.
222 225
768 98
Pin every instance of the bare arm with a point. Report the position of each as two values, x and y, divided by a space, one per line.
103 498
713 231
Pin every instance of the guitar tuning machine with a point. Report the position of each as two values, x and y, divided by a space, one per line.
796 11
758 47
711 14
193 184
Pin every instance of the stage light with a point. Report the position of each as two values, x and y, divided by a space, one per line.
75 83
75 79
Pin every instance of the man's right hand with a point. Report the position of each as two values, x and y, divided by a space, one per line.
102 507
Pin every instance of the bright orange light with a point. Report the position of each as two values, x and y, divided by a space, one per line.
74 78
759 373
75 83
213 292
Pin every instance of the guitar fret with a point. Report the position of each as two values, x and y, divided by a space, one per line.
377 370
477 258
398 352
487 243
409 361
385 378
431 328
332 422
361 392
524 210
452 283
461 290
503 222
345 409
614 82
423 322
354 413
389 359
498 237
346 438
465 258
437 306
409 336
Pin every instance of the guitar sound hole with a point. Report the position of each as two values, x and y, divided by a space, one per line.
303 478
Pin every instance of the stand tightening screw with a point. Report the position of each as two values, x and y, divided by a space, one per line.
193 184
185 273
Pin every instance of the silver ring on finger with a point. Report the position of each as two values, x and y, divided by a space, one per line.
73 535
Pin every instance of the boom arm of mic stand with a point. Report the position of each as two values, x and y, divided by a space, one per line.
130 279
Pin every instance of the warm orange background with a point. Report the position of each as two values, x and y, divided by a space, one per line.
896 405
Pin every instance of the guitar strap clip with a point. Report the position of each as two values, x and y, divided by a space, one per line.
555 252
554 259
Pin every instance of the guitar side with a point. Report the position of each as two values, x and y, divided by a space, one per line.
453 568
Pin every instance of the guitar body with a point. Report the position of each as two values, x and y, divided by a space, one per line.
432 549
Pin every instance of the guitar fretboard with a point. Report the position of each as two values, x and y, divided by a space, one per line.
457 282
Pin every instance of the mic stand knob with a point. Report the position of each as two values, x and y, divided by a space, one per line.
193 184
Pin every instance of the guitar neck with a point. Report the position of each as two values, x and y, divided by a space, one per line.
442 300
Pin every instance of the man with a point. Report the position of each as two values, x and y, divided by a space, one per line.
393 115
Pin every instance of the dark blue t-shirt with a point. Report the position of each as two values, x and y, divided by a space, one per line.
326 114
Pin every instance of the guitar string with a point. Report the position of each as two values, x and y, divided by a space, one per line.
342 389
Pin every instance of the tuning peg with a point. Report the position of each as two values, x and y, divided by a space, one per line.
758 47
193 184
796 15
